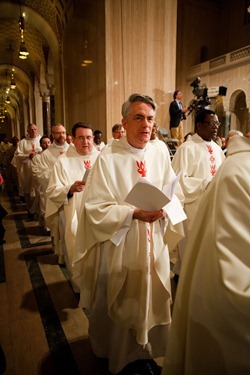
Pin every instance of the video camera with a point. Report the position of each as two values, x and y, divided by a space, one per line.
202 95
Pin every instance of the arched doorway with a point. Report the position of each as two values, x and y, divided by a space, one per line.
239 111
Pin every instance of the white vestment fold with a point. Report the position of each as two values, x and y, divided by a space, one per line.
211 318
136 277
70 167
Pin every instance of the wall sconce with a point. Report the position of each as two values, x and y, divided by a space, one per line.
86 60
7 101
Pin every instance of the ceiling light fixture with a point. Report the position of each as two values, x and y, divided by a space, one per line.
7 101
23 52
12 82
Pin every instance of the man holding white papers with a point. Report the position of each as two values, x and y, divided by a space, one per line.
122 251
65 189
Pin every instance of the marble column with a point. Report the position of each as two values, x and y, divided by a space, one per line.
46 114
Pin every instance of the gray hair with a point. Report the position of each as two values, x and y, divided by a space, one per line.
126 107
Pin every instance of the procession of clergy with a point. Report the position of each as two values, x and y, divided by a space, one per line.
118 254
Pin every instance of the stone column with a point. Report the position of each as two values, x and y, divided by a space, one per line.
46 114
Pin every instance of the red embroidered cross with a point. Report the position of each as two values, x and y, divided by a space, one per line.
61 152
142 168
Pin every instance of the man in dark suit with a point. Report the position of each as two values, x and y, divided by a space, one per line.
177 115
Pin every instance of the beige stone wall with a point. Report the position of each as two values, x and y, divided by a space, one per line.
140 53
133 46
85 87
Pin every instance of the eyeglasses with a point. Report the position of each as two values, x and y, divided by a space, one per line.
83 138
59 133
212 123
120 131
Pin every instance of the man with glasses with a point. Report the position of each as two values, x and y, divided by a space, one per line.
198 160
66 185
42 170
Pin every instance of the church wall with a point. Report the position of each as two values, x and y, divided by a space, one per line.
133 45
206 30
140 53
84 87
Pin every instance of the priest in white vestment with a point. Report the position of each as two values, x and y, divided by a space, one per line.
158 143
211 318
44 143
198 161
42 169
122 252
66 184
27 148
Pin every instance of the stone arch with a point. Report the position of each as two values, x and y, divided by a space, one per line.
239 111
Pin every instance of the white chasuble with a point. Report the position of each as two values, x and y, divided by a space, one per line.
138 270
211 319
70 167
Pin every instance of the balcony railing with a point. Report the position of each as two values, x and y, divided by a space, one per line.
227 61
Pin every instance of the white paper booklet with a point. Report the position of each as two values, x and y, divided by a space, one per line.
147 197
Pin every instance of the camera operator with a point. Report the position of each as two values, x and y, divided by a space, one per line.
177 115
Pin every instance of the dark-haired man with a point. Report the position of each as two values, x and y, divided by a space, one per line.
66 185
177 115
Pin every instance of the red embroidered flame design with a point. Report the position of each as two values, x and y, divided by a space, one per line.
142 168
87 164
213 169
210 150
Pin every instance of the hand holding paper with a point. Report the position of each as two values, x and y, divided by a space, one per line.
147 197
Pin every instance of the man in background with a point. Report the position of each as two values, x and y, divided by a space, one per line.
177 115
66 185
98 142
42 171
198 161
118 132
40 193
27 148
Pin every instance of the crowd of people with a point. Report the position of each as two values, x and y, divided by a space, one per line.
117 253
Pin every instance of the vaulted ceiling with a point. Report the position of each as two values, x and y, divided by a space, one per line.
44 23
